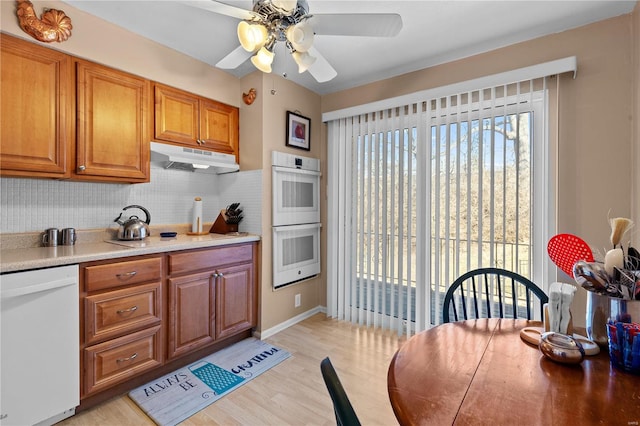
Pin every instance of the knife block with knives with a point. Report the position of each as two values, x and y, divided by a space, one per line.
228 220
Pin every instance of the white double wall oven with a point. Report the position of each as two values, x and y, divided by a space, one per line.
295 218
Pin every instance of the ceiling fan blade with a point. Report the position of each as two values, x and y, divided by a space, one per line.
321 69
234 59
357 24
222 9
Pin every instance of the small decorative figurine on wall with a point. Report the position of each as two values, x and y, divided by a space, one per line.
248 98
55 25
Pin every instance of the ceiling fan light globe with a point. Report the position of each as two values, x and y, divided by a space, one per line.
300 36
286 6
262 60
304 60
251 36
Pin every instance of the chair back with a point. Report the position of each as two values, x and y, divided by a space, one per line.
345 414
492 292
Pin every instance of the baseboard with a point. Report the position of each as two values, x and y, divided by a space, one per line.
57 418
288 323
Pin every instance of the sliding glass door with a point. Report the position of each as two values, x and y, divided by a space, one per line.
429 191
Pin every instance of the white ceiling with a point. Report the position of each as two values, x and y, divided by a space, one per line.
433 32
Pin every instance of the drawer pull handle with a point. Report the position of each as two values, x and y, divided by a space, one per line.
123 311
131 358
127 275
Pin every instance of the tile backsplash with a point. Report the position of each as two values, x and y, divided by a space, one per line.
32 205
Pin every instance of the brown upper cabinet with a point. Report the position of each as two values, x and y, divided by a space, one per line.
98 132
37 110
190 120
113 124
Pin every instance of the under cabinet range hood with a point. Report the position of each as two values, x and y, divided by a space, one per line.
192 159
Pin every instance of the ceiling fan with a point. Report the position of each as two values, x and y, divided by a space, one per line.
289 21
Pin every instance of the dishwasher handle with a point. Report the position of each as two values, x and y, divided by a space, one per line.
36 288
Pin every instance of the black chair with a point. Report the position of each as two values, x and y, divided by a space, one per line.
504 289
345 415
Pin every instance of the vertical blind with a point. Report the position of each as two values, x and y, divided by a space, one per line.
421 193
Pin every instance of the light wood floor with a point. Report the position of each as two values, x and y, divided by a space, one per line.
293 392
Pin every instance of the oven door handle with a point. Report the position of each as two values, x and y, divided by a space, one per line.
290 228
297 171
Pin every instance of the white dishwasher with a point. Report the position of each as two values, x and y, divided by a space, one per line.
39 346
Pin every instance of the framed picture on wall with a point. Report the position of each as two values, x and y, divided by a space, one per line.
298 131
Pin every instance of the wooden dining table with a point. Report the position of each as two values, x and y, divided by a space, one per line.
480 372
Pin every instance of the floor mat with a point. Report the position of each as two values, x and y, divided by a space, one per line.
177 396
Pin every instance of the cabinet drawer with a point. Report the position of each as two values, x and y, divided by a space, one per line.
194 260
111 314
101 277
118 360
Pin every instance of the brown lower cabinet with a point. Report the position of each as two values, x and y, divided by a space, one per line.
116 360
144 316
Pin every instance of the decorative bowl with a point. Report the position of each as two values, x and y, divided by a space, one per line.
561 348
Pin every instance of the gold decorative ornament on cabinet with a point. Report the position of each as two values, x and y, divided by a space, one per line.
54 25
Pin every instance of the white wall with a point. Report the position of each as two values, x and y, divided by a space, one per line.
31 205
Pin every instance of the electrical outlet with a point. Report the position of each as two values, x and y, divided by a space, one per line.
296 303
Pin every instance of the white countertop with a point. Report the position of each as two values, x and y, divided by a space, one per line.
21 259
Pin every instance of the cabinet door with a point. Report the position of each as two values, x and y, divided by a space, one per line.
219 127
113 120
176 116
36 110
191 313
235 299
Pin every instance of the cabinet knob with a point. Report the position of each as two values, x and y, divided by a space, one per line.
203 142
221 275
214 275
81 168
